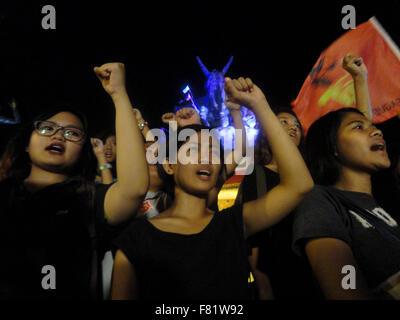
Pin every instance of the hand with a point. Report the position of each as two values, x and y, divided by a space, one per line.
97 146
354 65
138 115
167 117
243 92
187 116
112 77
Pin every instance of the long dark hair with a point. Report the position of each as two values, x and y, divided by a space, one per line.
15 161
321 145
262 149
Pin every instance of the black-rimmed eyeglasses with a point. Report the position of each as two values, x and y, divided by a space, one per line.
49 128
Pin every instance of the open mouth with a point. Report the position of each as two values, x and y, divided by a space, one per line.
55 148
292 133
205 173
378 146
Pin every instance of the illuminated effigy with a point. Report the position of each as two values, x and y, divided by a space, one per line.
214 113
213 110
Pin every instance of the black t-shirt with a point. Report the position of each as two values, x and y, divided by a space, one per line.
249 193
289 275
52 227
355 218
211 264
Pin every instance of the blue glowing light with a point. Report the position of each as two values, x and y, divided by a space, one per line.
186 89
226 129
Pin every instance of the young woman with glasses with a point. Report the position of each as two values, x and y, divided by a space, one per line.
53 218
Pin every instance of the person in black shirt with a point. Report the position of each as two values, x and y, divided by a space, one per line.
339 226
53 219
278 272
190 251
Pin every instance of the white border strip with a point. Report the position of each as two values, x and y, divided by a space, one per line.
386 36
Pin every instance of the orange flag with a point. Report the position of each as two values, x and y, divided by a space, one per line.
329 87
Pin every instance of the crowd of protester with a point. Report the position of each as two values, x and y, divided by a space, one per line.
116 226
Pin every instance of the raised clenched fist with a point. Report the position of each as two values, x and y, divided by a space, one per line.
112 77
167 117
242 92
187 116
354 65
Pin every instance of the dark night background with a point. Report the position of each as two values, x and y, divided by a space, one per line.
274 44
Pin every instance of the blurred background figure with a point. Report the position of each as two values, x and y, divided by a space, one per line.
16 120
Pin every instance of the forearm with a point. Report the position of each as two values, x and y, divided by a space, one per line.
106 174
363 102
293 171
147 134
131 156
240 141
145 130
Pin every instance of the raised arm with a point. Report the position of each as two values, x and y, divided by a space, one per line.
225 69
356 67
239 151
237 154
124 197
98 150
295 180
203 67
143 125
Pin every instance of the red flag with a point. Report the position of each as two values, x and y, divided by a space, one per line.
329 87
